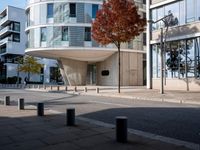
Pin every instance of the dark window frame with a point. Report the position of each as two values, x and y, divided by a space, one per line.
72 10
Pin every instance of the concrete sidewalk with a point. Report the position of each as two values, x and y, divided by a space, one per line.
152 95
23 130
130 92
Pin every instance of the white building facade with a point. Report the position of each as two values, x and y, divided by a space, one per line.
61 29
13 41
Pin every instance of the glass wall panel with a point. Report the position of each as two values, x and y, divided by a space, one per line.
198 58
65 34
37 14
57 10
172 60
50 37
182 56
43 36
190 57
88 13
154 61
57 36
182 13
160 14
50 10
154 18
190 10
65 12
87 34
43 14
37 37
94 10
174 9
198 10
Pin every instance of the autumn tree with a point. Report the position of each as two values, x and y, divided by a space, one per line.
30 66
118 21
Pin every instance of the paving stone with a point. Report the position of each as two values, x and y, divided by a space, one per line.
91 141
62 146
5 140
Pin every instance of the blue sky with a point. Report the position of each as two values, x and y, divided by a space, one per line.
16 3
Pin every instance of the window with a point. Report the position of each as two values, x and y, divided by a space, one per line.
16 26
50 10
154 18
144 15
94 10
28 18
43 34
16 37
144 1
87 34
198 10
144 39
65 34
190 10
174 9
72 9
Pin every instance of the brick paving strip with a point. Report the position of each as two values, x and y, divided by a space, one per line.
23 130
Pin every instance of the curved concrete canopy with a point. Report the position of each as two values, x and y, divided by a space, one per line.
81 54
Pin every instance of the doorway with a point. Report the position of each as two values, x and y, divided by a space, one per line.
91 74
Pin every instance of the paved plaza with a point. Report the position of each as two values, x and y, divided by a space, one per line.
96 118
22 130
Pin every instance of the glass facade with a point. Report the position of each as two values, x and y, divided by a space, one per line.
65 34
72 10
184 11
87 34
61 12
43 36
181 58
94 10
50 10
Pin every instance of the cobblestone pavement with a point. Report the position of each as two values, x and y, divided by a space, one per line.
23 130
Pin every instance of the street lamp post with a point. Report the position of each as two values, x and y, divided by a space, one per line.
162 47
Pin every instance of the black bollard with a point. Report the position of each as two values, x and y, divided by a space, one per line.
85 89
7 100
66 88
70 116
121 129
75 89
20 103
97 90
40 109
58 88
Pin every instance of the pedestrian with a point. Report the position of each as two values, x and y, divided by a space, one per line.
25 81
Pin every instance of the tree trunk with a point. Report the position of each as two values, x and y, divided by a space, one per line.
119 77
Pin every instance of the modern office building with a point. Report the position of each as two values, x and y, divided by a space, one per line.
61 29
182 47
13 41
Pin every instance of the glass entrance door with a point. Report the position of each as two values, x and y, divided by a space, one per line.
91 74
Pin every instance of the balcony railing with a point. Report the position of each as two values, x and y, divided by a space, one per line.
3 19
5 40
